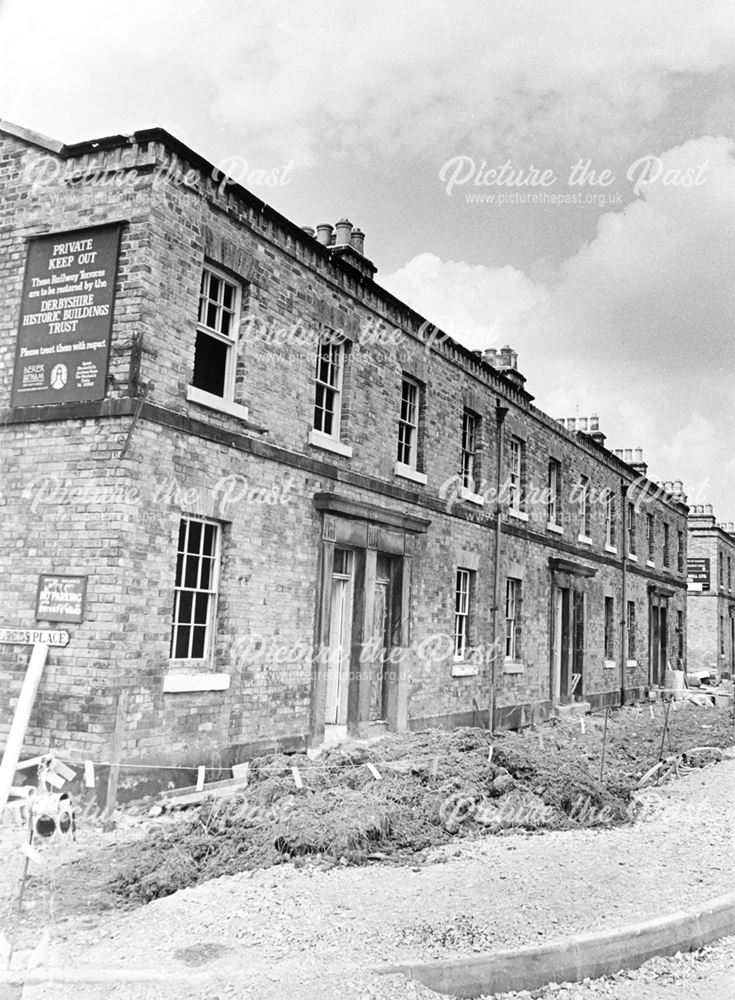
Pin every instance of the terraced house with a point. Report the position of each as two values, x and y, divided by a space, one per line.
271 502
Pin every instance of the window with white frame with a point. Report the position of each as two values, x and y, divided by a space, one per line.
216 339
609 628
680 551
553 502
462 598
408 423
630 626
667 553
515 474
650 536
470 428
631 529
610 519
585 507
328 380
195 596
512 619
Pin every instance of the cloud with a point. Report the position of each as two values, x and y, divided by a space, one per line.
638 327
377 79
476 305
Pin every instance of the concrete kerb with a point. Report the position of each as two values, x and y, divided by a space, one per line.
586 955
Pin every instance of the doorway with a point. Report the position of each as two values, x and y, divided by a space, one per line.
385 633
657 644
569 644
340 637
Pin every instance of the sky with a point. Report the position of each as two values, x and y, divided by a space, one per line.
556 176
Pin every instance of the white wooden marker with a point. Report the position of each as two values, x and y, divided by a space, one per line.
88 774
201 771
374 771
297 777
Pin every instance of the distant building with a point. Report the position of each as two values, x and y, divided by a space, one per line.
711 592
261 494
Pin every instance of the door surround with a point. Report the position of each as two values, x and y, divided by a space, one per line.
367 530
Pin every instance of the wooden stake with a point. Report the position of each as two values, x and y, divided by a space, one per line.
604 743
663 736
117 738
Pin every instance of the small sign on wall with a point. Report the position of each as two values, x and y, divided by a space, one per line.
698 574
61 598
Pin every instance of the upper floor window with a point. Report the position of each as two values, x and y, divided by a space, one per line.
666 555
610 519
650 537
408 423
553 502
330 363
680 552
470 429
729 573
216 339
631 529
515 474
585 507
195 600
721 569
462 597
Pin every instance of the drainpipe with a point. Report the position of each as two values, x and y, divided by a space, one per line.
500 415
624 599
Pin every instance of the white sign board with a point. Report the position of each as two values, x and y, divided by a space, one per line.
29 636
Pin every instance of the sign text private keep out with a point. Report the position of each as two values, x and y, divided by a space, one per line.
66 317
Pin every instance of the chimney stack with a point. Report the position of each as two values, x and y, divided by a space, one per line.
357 240
506 362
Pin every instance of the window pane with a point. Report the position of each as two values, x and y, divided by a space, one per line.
210 534
210 364
201 607
181 650
186 604
195 537
199 642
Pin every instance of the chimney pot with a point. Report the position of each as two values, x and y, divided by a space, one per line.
357 240
343 233
309 230
571 423
324 233
594 422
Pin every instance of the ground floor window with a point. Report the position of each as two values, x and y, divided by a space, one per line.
609 628
195 599
462 613
631 630
512 619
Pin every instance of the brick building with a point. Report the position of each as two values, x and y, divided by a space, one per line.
711 592
270 501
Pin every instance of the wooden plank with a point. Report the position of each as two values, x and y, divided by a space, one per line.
116 752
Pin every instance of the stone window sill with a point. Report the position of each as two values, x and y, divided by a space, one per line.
584 539
650 562
319 440
177 682
513 667
213 402
633 557
610 664
462 669
558 529
520 515
406 472
611 548
471 497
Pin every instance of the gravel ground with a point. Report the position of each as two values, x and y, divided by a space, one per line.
305 933
708 974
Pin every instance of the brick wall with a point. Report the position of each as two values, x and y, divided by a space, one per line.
70 504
